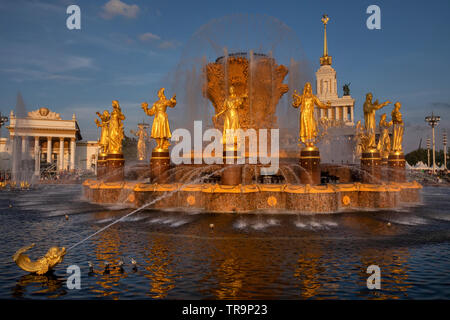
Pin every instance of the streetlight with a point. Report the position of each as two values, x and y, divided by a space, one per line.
428 151
433 121
444 142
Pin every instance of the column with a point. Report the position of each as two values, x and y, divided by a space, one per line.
24 147
37 159
345 113
61 154
329 114
351 113
72 154
49 149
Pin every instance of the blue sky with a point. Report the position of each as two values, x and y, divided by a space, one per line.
126 49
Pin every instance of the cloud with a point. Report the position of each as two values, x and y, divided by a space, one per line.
148 36
169 44
21 74
118 8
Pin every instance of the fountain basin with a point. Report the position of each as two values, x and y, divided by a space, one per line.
329 198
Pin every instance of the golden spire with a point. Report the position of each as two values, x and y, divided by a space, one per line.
325 59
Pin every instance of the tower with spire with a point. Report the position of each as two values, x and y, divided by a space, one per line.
342 111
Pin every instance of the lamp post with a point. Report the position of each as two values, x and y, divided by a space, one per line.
444 142
433 121
428 151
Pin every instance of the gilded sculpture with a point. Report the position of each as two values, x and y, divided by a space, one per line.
360 138
104 135
54 256
249 74
384 142
369 121
397 137
142 140
115 132
160 128
308 127
231 117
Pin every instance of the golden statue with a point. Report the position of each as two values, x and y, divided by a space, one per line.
43 265
359 135
308 126
142 140
104 138
384 143
231 117
115 132
160 128
369 121
397 137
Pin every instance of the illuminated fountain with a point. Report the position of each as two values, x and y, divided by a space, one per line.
245 89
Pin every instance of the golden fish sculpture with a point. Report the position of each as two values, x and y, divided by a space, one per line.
54 256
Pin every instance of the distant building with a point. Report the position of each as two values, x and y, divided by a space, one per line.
46 138
341 124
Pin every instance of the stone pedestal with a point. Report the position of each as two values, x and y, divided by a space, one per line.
371 167
102 166
116 164
159 167
232 173
310 166
396 165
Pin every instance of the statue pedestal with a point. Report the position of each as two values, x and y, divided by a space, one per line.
102 166
310 166
371 166
396 165
116 164
232 173
159 167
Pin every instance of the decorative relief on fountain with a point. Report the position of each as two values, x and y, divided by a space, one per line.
263 85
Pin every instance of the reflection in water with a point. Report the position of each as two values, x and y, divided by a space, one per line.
158 264
107 250
254 256
308 272
39 285
394 267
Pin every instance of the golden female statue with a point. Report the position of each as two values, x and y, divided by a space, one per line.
384 143
53 256
160 128
369 120
116 129
231 116
397 137
359 136
104 138
308 126
142 140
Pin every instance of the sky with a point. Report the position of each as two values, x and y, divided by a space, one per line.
127 49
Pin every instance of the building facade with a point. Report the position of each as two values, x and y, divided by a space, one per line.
46 138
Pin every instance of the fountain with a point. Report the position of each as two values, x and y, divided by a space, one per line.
244 89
